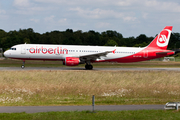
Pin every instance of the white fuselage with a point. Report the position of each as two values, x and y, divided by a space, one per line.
60 52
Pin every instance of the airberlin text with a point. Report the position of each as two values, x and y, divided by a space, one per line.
58 50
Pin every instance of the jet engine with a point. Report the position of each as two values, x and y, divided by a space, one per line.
71 61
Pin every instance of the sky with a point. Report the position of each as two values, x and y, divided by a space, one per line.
128 17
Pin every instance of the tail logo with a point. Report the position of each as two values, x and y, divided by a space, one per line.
163 38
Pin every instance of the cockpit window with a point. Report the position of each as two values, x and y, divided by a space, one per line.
12 48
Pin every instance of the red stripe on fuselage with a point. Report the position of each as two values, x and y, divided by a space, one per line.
143 55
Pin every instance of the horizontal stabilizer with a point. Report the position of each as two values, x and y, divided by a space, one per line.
164 52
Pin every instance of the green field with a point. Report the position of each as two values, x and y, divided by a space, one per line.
99 115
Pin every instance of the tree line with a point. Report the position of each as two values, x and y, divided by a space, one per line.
70 37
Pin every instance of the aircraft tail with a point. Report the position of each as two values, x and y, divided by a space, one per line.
161 41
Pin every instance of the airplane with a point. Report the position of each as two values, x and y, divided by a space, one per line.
73 55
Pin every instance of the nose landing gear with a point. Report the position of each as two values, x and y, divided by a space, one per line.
23 66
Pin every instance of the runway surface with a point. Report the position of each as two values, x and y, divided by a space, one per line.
78 68
36 109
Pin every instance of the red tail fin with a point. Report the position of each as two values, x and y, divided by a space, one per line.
162 40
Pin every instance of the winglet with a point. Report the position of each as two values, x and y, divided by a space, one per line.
114 51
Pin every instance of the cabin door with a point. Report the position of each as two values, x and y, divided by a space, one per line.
23 49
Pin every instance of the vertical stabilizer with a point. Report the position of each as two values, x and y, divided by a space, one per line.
161 41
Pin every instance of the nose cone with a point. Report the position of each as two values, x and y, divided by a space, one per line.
6 53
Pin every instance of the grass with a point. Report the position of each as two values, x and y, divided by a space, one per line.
19 88
99 115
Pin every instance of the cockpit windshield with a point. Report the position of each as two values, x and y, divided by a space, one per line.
12 48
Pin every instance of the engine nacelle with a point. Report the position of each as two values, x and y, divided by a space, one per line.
71 61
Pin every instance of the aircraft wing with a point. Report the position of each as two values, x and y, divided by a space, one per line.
95 56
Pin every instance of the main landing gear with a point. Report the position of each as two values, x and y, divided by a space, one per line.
23 66
88 66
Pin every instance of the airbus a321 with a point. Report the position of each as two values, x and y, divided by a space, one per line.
73 55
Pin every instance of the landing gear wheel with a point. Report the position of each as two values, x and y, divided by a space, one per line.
22 66
88 67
